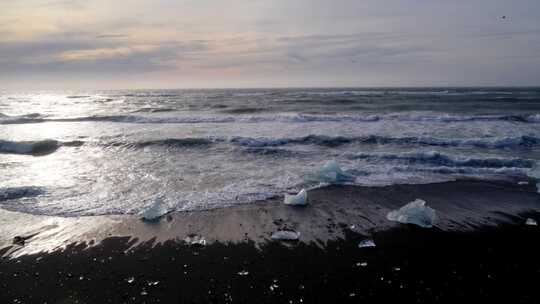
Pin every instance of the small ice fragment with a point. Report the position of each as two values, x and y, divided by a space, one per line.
285 235
363 264
194 239
366 243
415 212
153 283
156 210
130 280
523 183
299 199
534 172
531 222
243 273
331 173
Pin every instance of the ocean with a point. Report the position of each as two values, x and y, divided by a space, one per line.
78 153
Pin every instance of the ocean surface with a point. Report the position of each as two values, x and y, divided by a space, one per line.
79 153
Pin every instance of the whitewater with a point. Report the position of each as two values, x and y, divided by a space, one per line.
87 153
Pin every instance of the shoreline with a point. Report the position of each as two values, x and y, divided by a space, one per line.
480 249
462 205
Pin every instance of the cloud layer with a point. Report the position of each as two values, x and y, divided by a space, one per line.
166 43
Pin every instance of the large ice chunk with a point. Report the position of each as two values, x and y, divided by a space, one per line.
415 212
367 243
299 199
156 210
531 222
285 235
331 173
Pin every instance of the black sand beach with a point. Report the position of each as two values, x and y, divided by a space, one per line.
269 152
480 251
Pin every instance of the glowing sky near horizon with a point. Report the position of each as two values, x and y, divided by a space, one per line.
102 44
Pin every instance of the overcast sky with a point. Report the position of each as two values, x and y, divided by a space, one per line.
58 44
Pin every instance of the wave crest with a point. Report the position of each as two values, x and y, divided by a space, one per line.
36 148
280 118
443 160
21 119
334 141
13 193
169 142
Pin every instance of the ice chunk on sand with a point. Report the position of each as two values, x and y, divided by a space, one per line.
156 210
195 240
285 235
331 173
299 199
366 243
531 222
415 212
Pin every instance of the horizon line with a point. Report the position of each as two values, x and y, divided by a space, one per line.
290 88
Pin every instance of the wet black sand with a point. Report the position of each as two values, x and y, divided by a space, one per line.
409 265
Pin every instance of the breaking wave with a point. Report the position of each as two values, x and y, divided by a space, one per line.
442 160
78 96
169 142
42 147
464 170
35 148
153 110
334 141
256 145
524 142
21 119
281 118
13 193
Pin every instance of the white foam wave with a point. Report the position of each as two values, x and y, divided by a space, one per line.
280 118
434 158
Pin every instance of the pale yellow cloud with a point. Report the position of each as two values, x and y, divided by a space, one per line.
104 53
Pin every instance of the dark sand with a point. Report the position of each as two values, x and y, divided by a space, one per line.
480 251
